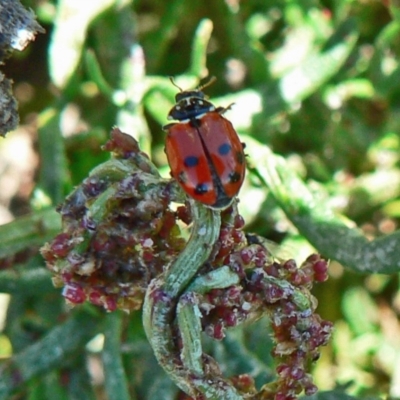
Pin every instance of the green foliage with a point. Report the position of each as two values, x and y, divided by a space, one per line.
316 93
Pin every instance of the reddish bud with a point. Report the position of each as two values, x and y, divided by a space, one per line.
74 293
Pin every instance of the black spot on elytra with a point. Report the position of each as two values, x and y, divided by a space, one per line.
191 161
224 149
234 177
201 188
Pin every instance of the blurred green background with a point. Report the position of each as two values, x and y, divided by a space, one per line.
315 82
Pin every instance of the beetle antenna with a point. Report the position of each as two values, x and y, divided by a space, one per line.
208 83
171 78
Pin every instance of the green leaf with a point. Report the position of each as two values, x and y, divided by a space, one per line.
317 68
331 234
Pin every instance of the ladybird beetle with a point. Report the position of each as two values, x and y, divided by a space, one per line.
203 149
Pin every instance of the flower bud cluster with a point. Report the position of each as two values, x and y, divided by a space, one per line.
118 231
280 289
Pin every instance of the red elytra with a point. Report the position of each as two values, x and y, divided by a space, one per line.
204 151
